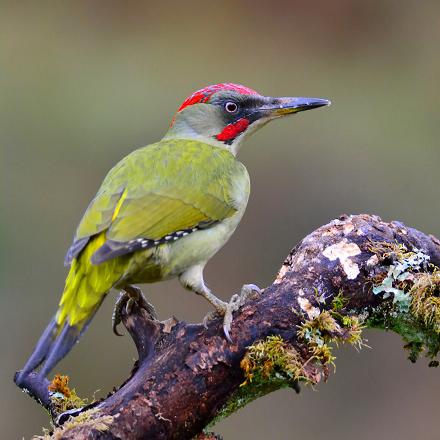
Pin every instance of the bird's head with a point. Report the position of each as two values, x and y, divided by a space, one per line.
225 114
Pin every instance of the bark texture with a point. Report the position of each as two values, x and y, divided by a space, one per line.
187 373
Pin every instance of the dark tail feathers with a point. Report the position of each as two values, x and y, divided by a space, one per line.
54 344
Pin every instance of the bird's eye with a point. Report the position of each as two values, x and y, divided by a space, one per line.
231 107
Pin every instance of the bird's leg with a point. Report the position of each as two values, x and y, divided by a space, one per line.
236 301
127 298
192 279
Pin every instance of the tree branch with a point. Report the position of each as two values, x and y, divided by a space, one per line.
356 271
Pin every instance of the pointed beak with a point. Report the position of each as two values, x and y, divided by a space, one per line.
285 106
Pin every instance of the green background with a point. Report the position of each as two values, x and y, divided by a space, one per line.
83 83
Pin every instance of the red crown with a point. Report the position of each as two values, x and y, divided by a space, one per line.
204 94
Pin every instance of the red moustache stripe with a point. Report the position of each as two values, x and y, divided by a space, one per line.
231 131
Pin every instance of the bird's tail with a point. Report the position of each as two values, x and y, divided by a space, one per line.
85 289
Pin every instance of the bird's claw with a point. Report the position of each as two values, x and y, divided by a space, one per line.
251 291
128 298
227 309
247 291
209 317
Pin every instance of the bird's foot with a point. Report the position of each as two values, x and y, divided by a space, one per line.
127 298
227 309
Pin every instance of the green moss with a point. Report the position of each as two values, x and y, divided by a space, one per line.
339 302
62 397
272 359
425 299
247 393
86 419
267 366
330 327
89 420
273 363
414 312
353 327
417 336
388 250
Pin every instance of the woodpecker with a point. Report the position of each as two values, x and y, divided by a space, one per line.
162 212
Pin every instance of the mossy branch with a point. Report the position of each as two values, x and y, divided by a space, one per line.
355 272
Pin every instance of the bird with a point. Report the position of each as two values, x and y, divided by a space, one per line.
162 212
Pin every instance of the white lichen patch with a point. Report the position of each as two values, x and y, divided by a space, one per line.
306 306
330 231
348 227
373 260
343 251
284 269
299 259
402 270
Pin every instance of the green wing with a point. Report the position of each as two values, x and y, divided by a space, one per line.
160 193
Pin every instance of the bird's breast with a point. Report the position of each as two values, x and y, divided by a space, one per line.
169 260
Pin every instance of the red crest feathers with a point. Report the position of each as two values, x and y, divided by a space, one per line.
204 94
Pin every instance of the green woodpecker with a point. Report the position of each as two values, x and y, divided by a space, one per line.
162 212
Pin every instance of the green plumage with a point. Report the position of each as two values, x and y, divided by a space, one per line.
170 186
166 187
163 212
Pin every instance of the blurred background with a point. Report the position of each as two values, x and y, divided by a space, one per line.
84 83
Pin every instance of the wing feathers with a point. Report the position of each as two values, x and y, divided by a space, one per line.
157 192
112 249
75 250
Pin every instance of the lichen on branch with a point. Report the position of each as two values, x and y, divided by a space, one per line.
62 397
353 273
274 363
413 283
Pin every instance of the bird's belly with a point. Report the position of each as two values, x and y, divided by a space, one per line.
200 246
170 260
